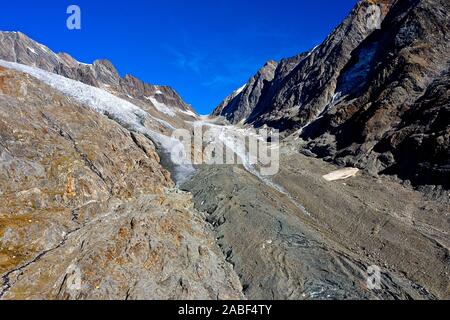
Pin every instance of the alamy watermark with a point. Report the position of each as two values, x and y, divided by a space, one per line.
257 150
73 22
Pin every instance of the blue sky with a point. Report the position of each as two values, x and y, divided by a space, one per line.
204 49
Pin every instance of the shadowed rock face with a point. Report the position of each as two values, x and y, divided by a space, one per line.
85 201
309 78
372 98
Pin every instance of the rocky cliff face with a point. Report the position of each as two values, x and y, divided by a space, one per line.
87 210
396 76
358 97
240 104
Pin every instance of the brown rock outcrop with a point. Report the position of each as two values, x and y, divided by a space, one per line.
88 212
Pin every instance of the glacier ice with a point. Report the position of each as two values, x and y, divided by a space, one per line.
123 112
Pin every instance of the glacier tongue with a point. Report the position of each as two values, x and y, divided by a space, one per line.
123 112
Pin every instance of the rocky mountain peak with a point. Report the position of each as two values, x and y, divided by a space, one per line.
347 96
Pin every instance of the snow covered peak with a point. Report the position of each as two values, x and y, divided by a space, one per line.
17 47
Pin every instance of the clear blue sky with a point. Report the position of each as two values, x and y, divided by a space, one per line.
204 49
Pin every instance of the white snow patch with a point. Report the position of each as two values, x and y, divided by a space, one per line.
336 97
311 52
341 174
161 107
334 101
188 112
32 50
238 91
165 123
44 48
